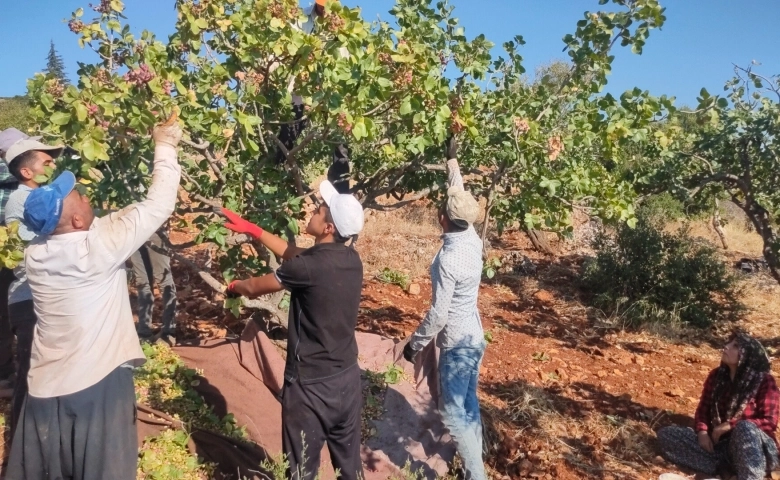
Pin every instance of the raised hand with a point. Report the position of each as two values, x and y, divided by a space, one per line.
239 225
168 132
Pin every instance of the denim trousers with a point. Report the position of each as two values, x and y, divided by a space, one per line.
458 376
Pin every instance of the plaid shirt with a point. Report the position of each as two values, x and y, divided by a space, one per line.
761 410
8 184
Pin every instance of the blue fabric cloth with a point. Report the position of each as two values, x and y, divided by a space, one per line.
459 406
456 273
43 207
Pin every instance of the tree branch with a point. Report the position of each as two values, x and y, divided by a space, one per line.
723 178
168 249
386 208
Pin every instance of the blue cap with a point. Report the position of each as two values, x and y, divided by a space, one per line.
43 207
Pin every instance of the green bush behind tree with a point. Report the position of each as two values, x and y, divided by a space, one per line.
645 274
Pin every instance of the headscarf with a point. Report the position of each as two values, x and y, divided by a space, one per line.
753 366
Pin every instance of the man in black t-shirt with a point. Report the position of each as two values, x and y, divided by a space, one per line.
321 399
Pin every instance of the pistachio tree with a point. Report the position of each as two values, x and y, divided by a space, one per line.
733 152
391 91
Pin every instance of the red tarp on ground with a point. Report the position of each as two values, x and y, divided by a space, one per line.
243 376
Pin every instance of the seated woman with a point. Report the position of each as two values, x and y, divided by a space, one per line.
736 418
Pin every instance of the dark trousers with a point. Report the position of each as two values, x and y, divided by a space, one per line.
87 435
6 335
746 450
23 321
150 267
313 414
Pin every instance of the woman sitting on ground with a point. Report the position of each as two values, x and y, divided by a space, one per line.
736 418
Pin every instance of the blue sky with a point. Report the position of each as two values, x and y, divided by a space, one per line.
696 48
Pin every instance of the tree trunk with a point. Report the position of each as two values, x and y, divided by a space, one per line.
717 224
758 214
761 220
539 241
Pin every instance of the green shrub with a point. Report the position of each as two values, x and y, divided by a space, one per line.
394 277
645 274
663 206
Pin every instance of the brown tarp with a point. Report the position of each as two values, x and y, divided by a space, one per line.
244 376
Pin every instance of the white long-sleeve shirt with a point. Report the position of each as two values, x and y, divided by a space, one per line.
456 273
85 325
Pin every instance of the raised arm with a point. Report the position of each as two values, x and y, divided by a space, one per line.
454 178
123 232
277 245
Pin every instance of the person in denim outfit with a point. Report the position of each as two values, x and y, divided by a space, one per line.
454 319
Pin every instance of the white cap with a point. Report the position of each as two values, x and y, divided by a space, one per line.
28 144
345 209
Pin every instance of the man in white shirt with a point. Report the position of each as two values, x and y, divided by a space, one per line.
453 319
78 420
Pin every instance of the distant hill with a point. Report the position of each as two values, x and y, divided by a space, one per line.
14 112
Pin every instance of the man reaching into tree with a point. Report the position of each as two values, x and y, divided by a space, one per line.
321 398
454 319
78 420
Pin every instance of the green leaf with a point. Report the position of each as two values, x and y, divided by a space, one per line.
406 107
93 150
631 222
60 118
359 129
81 112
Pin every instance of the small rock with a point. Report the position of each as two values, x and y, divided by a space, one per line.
622 360
544 296
675 392
639 360
617 372
414 289
601 373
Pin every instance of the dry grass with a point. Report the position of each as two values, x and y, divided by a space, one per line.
527 428
739 239
405 240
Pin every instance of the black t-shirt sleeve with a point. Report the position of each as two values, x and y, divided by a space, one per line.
294 273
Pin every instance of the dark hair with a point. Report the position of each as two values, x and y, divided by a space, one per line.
23 160
451 225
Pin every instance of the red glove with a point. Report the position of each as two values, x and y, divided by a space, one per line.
231 290
239 225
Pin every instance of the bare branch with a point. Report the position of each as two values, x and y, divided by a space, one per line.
421 194
204 149
216 285
722 178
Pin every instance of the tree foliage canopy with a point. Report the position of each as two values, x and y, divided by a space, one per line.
729 148
392 91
